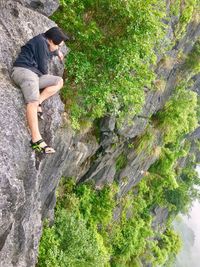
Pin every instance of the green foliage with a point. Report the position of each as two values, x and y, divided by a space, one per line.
111 57
198 109
176 188
167 247
96 206
187 191
179 116
121 162
165 166
85 233
175 7
192 63
70 243
146 141
129 240
187 9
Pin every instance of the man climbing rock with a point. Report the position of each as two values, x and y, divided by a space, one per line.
30 73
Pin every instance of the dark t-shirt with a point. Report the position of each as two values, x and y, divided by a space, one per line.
35 55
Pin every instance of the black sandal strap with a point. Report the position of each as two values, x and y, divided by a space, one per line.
36 146
37 143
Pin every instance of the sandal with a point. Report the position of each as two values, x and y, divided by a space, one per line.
38 148
40 113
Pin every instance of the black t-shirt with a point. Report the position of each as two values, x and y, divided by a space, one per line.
35 55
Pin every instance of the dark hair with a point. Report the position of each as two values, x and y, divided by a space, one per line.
56 35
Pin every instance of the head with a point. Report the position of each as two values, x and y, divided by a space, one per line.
55 38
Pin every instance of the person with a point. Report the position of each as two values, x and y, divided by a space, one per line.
30 73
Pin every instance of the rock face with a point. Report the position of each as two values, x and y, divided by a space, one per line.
46 7
27 181
21 193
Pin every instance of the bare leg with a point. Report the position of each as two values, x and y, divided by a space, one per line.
32 109
31 113
49 91
32 118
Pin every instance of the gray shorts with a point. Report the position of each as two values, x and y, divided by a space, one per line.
30 83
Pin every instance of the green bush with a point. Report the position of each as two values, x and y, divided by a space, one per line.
146 141
183 196
86 234
187 9
192 63
111 57
70 243
179 116
175 8
167 246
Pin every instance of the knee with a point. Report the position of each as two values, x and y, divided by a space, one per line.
33 104
60 82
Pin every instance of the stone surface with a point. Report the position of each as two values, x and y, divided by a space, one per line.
46 7
160 217
28 182
21 197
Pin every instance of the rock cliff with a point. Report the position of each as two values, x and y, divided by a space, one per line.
26 187
28 182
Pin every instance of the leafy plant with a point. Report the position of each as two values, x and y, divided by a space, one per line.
179 116
87 234
187 9
111 57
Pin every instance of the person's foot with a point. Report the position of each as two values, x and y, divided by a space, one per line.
41 146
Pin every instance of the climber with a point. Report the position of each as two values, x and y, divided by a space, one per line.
30 73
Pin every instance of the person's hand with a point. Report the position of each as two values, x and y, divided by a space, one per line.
60 56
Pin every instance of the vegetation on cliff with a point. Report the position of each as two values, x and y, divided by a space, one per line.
112 60
86 233
112 56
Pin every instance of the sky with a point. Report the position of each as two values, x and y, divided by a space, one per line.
189 228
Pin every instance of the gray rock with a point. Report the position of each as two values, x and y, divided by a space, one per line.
17 25
196 86
107 124
27 183
188 40
103 169
130 130
20 224
138 163
160 217
46 7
